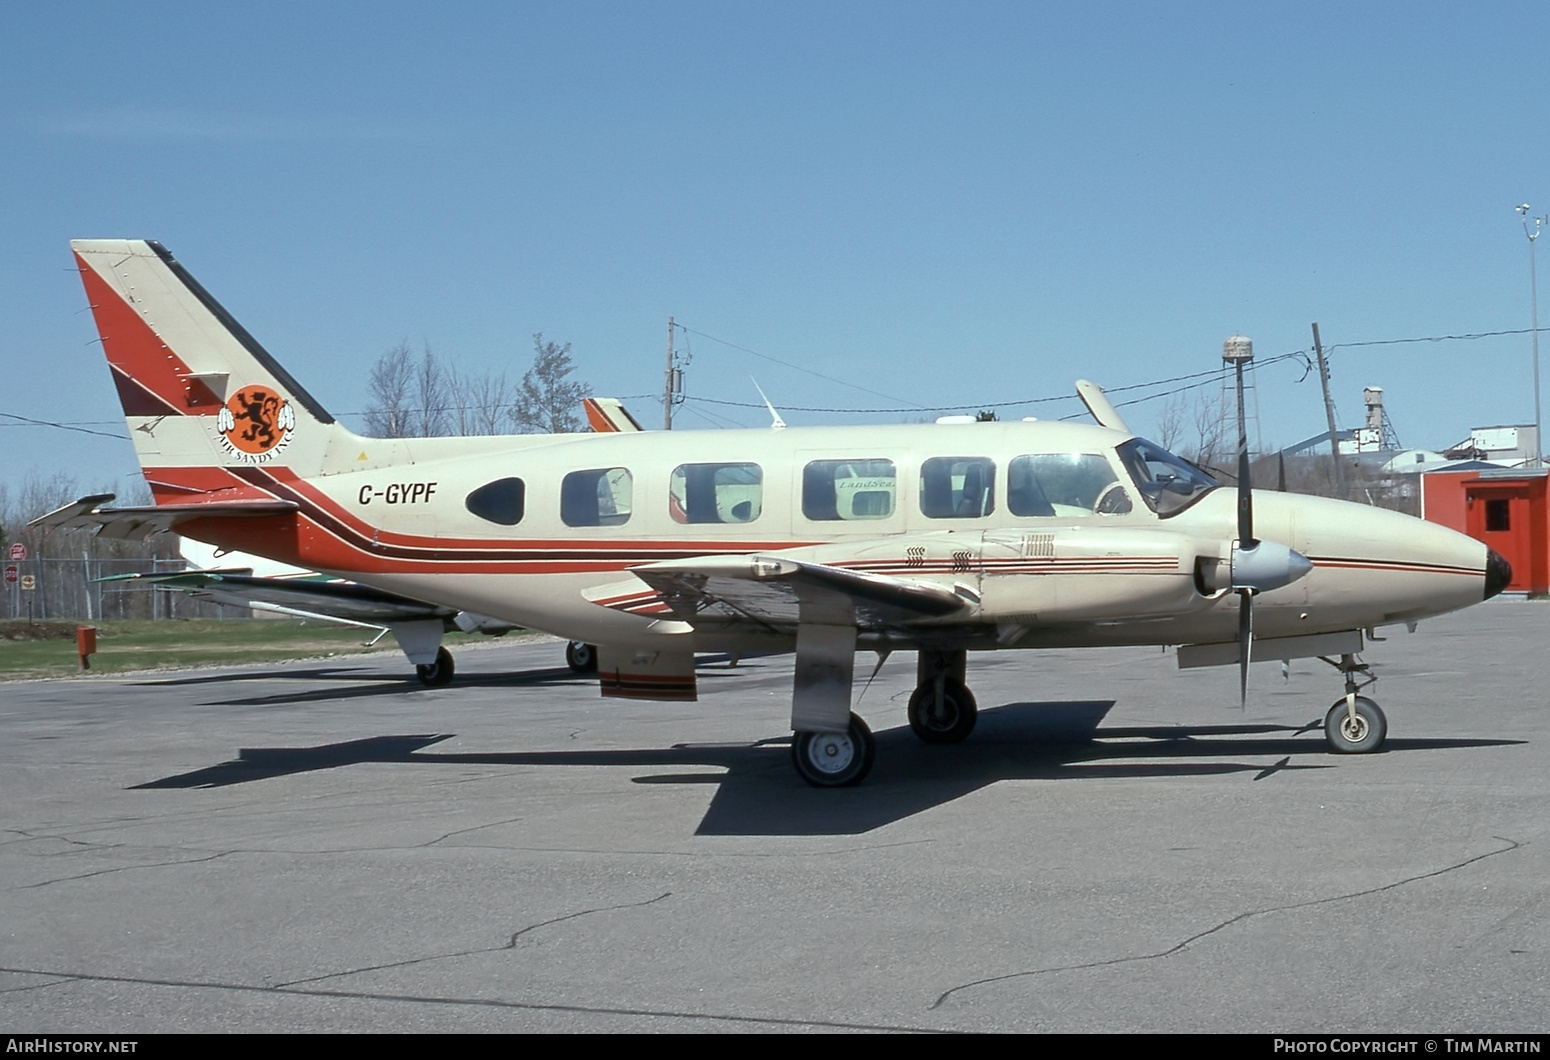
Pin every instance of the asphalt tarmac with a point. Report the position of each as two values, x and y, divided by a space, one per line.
1117 847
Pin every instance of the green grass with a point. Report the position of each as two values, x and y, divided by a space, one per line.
48 649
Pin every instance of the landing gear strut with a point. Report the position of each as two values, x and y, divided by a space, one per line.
1354 725
942 709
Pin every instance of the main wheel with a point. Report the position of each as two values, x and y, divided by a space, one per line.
951 721
1362 735
580 657
834 759
437 673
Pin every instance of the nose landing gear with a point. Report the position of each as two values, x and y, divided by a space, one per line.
1354 725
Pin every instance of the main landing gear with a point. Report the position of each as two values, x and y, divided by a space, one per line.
581 657
438 673
833 759
1354 725
942 709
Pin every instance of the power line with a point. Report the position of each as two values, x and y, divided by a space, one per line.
799 368
1436 338
27 421
1192 381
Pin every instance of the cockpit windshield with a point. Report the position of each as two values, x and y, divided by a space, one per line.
1167 483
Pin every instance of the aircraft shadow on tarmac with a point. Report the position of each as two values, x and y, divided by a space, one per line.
364 685
367 682
758 794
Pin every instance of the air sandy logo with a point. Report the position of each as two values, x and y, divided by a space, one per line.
256 425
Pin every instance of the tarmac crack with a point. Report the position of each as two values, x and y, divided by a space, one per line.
126 868
60 980
474 828
510 944
1179 947
26 836
492 1003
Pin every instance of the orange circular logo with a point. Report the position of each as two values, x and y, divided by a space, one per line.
256 423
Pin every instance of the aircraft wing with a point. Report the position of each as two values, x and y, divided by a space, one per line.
775 592
326 598
125 523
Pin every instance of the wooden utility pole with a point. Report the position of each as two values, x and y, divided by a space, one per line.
1329 413
667 388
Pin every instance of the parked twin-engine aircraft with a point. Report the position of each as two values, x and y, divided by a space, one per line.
938 539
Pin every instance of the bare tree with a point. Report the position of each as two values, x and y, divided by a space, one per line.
408 396
547 401
481 403
1212 447
1170 423
428 417
388 389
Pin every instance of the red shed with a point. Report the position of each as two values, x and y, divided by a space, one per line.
1504 507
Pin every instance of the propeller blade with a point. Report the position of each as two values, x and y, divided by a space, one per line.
1245 643
1238 351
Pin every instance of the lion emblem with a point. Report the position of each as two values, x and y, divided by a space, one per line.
256 424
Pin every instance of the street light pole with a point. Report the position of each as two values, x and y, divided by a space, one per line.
1533 282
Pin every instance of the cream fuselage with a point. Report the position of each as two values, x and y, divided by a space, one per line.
1069 579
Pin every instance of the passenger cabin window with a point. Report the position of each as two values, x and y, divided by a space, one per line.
600 497
848 489
499 501
716 493
1064 484
957 487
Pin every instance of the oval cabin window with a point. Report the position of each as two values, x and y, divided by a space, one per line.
500 501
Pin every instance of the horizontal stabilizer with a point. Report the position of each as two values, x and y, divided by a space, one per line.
328 598
124 523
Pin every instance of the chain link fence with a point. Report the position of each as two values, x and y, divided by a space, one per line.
62 588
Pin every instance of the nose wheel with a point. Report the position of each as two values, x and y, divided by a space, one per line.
1354 725
1355 728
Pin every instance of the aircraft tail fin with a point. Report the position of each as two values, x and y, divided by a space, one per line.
197 389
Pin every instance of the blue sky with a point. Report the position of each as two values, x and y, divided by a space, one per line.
947 204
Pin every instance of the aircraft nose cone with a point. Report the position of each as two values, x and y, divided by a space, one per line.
1498 573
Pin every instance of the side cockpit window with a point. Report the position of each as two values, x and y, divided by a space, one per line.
500 501
716 493
1062 484
957 487
601 497
848 489
1168 485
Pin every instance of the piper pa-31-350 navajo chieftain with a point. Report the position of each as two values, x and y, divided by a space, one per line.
937 539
